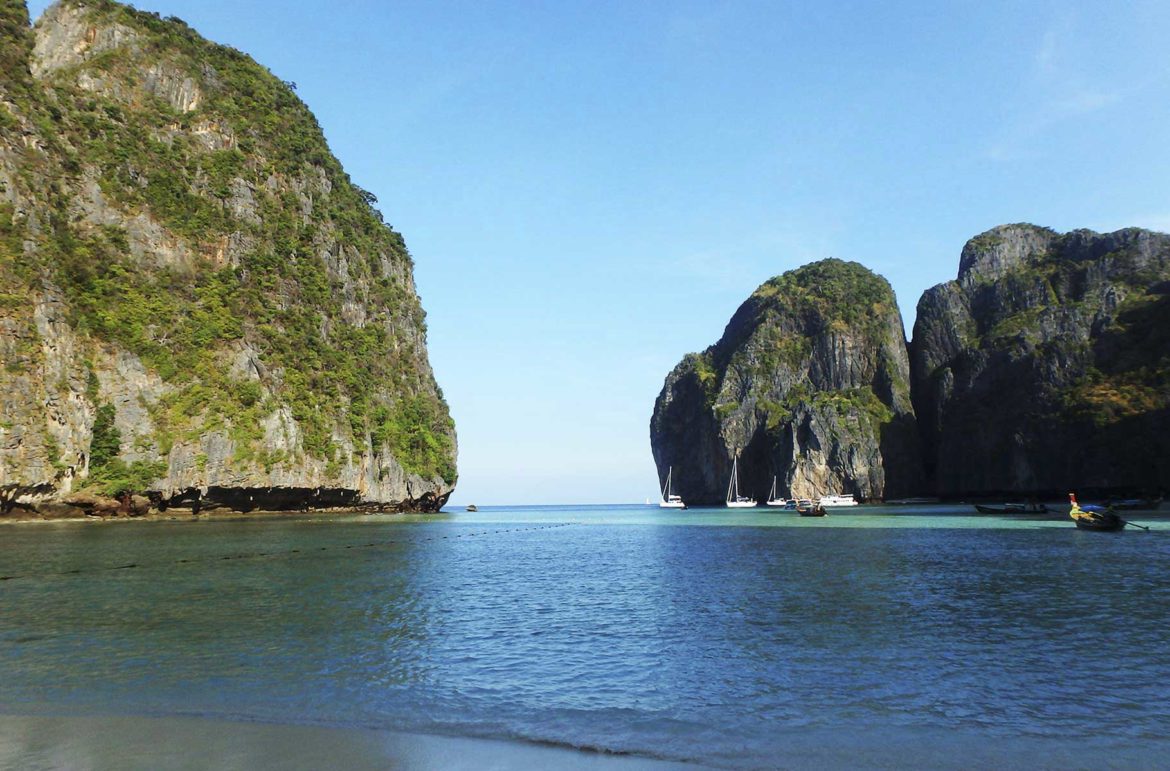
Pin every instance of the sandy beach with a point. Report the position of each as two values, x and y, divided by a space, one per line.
130 743
122 743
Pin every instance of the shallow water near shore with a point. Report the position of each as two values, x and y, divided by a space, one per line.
880 637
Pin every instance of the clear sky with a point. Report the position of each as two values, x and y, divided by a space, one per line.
590 189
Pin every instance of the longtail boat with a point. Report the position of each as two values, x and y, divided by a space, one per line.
1089 517
1012 508
1135 504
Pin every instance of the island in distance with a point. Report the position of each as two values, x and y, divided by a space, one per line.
200 309
1044 365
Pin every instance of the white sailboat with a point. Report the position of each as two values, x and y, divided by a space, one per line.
734 499
773 500
670 501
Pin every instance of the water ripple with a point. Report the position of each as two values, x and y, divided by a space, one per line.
723 645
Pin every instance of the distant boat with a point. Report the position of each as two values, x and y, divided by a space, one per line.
807 508
773 500
836 501
1135 504
472 507
1013 508
734 499
811 509
670 501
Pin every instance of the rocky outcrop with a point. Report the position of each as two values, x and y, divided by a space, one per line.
809 384
196 302
1046 364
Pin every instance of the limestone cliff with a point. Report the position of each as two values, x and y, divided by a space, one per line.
809 383
1046 365
195 300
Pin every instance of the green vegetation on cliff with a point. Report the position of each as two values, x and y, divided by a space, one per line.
842 294
188 208
16 44
108 473
1131 373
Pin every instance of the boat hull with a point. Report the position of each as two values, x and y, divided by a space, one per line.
1012 509
837 501
1104 525
913 501
1145 504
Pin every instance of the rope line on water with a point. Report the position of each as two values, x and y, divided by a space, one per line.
258 554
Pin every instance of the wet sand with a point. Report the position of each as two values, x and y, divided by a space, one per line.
140 743
41 743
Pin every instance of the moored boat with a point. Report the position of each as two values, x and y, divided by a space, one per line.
1135 504
773 501
811 509
669 500
1012 508
734 499
1091 517
837 501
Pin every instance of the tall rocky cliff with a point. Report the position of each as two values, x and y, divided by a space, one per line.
809 383
1046 364
195 300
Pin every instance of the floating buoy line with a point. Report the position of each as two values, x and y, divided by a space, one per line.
271 554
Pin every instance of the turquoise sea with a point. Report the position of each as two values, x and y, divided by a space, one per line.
885 637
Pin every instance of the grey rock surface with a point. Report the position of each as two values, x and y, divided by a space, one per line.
1043 367
808 385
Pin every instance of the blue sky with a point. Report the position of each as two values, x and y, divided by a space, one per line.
589 190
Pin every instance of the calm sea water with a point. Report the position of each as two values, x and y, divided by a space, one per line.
746 639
